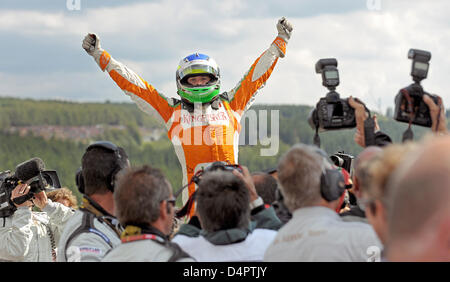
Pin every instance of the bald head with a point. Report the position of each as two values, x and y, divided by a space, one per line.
367 154
421 196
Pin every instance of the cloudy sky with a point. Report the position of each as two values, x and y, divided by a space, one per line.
41 55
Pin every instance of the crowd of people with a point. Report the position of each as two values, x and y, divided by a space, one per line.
296 212
392 206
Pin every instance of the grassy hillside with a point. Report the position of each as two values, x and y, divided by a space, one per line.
64 154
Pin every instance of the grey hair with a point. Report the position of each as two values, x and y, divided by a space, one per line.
299 174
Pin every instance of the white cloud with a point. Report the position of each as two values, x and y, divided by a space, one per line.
370 46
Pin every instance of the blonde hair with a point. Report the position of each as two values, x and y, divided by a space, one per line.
383 166
63 194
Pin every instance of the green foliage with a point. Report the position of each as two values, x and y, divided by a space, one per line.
62 156
65 155
21 112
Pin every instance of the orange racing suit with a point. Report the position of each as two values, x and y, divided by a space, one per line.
204 135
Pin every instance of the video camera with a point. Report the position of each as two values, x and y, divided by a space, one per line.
221 166
185 210
409 104
343 160
331 111
31 172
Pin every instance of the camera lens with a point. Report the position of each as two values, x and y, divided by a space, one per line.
337 161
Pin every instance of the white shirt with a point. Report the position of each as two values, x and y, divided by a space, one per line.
87 246
319 234
25 235
251 249
141 251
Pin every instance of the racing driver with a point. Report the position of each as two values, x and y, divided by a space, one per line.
203 124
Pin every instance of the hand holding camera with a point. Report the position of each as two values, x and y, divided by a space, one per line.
343 160
185 210
19 191
40 200
409 105
30 180
248 180
437 113
365 125
332 112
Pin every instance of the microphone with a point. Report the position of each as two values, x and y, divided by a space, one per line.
29 169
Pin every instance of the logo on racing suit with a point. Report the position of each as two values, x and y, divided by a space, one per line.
204 118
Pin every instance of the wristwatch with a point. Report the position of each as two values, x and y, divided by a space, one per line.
256 203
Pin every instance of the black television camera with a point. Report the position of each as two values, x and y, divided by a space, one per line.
31 172
343 160
222 166
185 210
331 111
409 104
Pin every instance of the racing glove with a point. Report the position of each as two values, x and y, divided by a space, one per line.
91 44
284 29
284 34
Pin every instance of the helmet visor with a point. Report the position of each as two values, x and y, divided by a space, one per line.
197 70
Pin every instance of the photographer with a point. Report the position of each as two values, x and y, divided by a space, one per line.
145 207
93 230
32 236
198 83
380 138
223 209
361 182
64 196
375 197
266 186
419 215
312 188
437 113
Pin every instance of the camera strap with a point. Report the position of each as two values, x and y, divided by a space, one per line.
186 209
369 131
189 205
369 126
316 137
408 134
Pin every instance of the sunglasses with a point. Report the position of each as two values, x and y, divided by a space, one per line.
172 200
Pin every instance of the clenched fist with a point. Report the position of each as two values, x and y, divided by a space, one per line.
284 29
91 43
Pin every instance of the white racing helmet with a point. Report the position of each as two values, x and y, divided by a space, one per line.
193 65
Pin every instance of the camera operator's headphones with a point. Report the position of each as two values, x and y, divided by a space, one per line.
118 165
332 182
